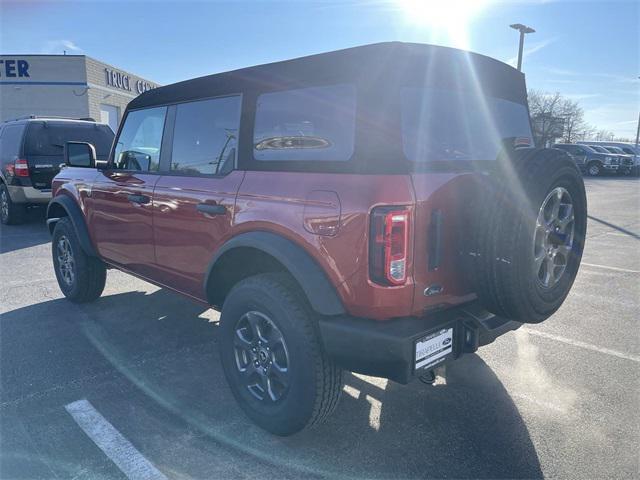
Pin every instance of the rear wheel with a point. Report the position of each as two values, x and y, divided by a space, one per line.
273 358
80 277
10 213
529 237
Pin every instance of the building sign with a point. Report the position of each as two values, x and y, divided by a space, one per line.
11 68
124 81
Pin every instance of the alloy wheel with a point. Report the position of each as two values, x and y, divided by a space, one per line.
594 170
553 237
66 262
261 357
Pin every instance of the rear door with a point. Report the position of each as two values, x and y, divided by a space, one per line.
195 198
44 146
120 207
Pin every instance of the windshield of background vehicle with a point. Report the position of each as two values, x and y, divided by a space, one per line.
443 125
48 139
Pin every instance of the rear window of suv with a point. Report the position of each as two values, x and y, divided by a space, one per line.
48 139
451 125
306 124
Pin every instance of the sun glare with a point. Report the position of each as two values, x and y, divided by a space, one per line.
444 18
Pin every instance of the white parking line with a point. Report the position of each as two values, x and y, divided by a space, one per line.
617 269
578 343
112 443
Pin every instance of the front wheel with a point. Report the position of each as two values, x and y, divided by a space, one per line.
272 356
80 276
594 169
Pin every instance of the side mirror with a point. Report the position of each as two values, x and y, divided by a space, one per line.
80 154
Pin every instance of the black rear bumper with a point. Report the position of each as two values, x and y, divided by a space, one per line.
387 349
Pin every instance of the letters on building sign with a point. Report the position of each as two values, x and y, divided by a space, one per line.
14 68
142 86
124 82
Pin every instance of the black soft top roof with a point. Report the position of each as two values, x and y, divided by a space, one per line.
378 68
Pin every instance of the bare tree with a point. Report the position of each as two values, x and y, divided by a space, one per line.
604 135
545 116
556 117
586 132
573 116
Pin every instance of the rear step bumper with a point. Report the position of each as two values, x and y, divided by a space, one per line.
21 194
388 349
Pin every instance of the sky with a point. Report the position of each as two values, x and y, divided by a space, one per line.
587 50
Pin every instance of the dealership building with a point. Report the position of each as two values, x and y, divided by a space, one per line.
73 86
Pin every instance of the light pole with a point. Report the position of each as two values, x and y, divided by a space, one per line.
523 29
638 132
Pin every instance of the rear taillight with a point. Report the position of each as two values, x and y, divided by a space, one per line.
21 168
389 245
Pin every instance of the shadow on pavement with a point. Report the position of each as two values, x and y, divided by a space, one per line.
162 348
615 227
29 234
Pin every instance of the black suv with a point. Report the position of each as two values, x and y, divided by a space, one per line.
31 151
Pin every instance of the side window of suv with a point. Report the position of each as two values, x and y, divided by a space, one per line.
306 124
138 146
205 136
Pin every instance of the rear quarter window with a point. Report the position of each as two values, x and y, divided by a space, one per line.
307 124
448 125
10 142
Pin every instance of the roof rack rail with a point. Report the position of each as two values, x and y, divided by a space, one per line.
35 117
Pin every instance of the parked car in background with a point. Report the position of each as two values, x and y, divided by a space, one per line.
358 210
31 151
626 161
590 161
604 150
626 147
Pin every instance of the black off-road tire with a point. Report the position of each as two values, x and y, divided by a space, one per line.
89 274
594 169
315 381
501 260
11 213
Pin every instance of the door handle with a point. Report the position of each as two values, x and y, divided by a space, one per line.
211 209
141 199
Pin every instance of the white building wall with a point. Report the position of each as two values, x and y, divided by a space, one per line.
51 85
111 86
74 86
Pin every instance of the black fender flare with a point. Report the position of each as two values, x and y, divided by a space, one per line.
77 220
303 268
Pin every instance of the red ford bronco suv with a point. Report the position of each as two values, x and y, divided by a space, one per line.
378 209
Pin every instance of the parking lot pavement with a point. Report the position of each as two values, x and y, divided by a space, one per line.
560 399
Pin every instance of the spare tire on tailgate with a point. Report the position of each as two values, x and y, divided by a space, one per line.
528 229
